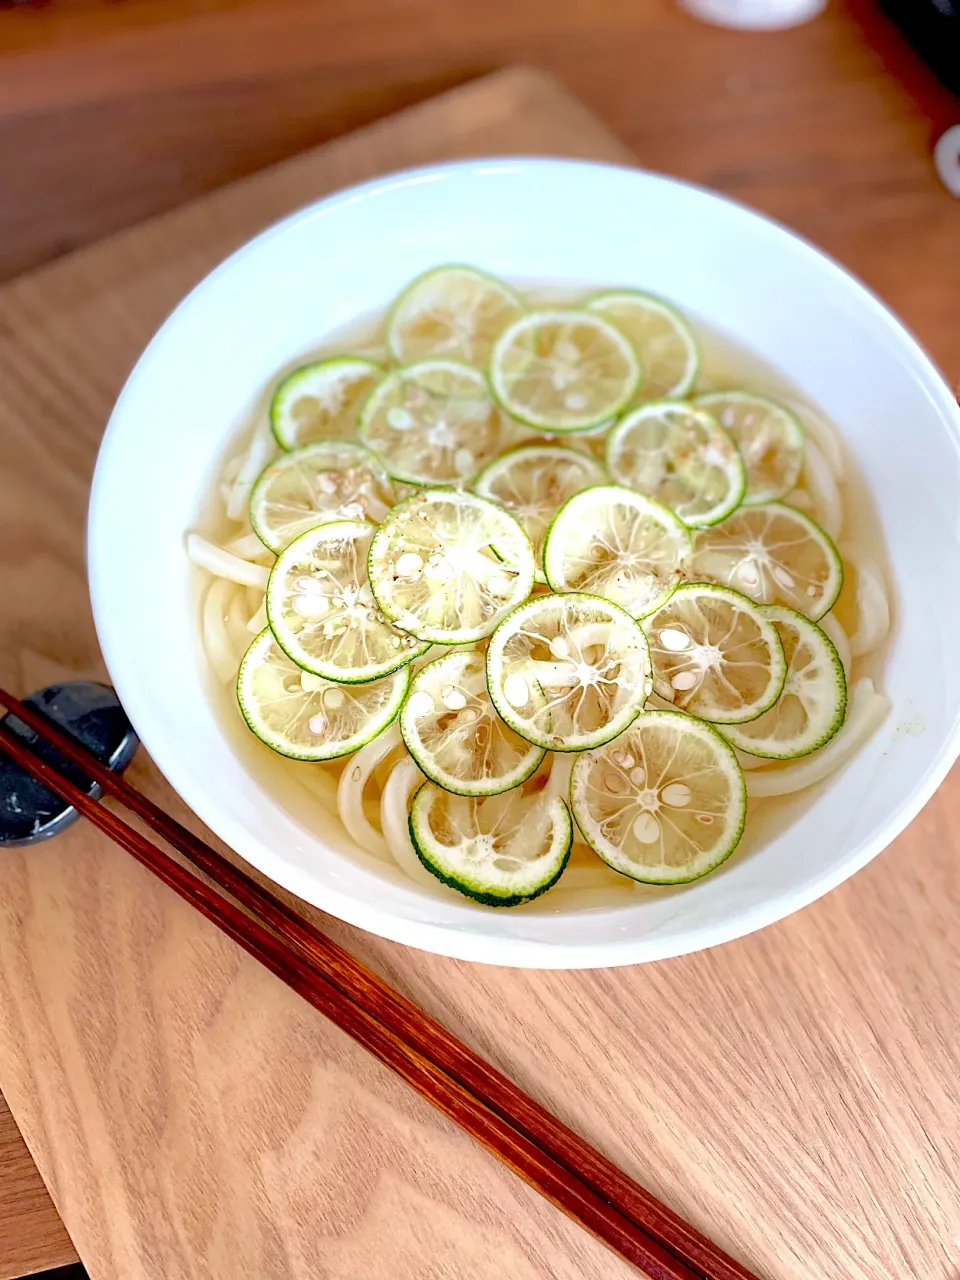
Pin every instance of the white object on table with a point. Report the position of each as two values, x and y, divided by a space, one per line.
946 156
758 15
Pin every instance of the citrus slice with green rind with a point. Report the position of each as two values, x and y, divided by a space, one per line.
331 480
613 542
563 370
500 850
451 313
433 423
533 482
775 554
813 701
769 437
680 456
568 672
664 341
454 733
322 612
664 803
322 400
306 717
446 566
715 654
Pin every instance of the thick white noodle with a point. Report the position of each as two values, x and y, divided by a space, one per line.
248 547
405 778
224 565
873 609
258 620
558 783
216 642
375 351
801 499
596 877
823 489
316 779
237 620
563 899
825 435
231 467
354 778
833 631
748 761
866 711
256 459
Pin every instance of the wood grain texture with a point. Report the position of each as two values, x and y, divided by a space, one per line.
111 112
32 1237
795 1094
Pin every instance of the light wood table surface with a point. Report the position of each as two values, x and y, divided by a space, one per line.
794 1093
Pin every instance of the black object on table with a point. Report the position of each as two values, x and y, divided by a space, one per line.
87 711
933 28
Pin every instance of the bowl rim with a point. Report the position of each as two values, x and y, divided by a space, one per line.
461 943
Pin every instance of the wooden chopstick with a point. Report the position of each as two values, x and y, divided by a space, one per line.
401 1018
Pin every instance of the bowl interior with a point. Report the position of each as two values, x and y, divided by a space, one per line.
571 224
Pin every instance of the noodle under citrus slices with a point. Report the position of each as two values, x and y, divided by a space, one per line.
558 603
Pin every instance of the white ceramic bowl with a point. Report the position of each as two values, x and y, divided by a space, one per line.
573 223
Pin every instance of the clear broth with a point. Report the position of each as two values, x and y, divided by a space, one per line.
300 787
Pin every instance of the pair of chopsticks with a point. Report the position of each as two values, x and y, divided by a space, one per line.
564 1168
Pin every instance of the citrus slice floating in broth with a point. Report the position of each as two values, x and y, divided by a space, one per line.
715 654
433 423
680 456
500 850
452 729
664 803
664 341
813 701
332 480
446 566
322 400
533 482
568 672
454 313
322 612
610 541
306 717
774 554
563 370
769 437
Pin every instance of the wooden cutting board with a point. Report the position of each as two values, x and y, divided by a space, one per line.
795 1094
